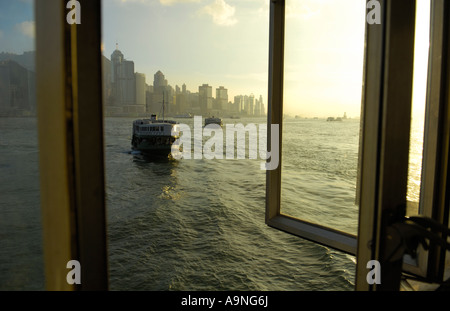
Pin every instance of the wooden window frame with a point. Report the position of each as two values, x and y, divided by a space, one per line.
70 125
382 177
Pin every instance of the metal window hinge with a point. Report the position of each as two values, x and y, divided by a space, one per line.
403 237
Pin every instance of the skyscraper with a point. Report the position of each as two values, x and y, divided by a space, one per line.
140 91
238 103
123 80
205 98
159 83
16 89
162 92
222 98
258 107
251 110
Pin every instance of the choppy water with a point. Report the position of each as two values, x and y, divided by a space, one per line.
21 262
193 224
199 225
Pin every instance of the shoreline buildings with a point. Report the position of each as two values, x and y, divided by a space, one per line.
17 85
126 93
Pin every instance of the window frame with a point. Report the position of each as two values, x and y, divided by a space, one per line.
384 142
70 125
434 191
314 232
382 179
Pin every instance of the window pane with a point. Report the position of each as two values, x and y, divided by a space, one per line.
422 44
21 253
324 51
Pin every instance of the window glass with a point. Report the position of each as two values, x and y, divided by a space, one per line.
323 74
422 45
21 253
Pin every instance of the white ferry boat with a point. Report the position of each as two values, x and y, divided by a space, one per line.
154 137
213 120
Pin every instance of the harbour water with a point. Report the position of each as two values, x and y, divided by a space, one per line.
187 224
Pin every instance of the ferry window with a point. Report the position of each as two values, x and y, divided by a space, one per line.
324 53
388 175
21 251
323 63
421 59
430 131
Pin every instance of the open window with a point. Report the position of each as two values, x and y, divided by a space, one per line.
380 173
320 54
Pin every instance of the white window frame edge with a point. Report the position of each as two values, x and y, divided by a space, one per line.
316 233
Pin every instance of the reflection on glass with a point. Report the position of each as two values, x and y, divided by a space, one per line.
421 51
21 254
324 50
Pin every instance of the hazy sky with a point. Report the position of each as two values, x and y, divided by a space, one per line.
219 42
16 26
225 43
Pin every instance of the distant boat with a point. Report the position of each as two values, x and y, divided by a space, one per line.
184 116
154 137
213 120
334 119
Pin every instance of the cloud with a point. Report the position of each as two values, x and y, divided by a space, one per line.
170 2
221 12
27 28
135 1
1 33
162 2
305 9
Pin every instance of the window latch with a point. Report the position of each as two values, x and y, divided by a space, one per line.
403 237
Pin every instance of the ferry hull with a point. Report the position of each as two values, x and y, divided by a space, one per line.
151 146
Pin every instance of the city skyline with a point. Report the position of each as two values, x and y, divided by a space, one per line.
219 42
128 91
225 42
